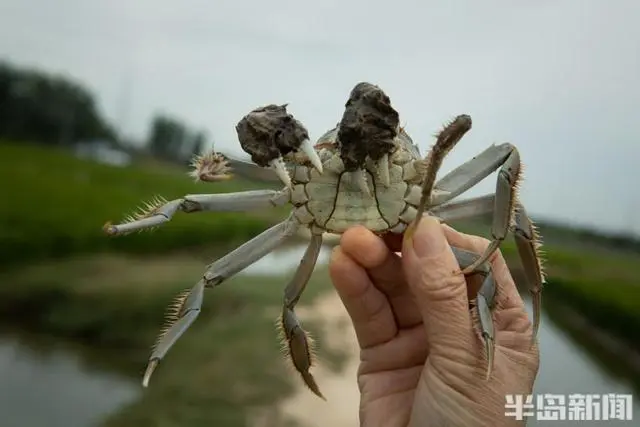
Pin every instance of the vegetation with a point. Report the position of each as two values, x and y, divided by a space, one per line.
226 366
57 110
171 140
587 272
609 298
55 205
228 361
48 108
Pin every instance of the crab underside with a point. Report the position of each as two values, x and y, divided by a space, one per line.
365 171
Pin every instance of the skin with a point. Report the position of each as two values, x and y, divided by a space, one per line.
421 358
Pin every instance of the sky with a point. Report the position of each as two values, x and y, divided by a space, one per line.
558 79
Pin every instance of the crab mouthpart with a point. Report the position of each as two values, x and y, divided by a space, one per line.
278 166
308 149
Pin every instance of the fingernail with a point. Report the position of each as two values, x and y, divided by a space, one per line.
428 238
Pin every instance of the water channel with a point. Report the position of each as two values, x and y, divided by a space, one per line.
50 386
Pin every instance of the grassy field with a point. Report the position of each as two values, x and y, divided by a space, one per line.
594 278
227 365
54 205
58 205
100 291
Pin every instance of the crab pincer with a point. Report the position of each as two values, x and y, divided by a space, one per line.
368 129
269 133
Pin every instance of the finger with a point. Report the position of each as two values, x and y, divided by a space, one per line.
440 288
507 294
367 306
394 243
385 270
512 322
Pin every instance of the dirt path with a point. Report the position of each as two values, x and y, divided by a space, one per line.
340 389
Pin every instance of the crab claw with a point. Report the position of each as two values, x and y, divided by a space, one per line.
307 148
368 127
279 168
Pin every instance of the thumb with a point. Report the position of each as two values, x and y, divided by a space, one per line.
438 285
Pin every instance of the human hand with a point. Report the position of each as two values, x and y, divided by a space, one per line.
422 361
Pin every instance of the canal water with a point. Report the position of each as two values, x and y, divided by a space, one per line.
52 387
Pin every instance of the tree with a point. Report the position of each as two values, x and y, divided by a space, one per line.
48 109
172 140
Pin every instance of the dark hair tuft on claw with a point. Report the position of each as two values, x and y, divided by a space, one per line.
368 126
269 132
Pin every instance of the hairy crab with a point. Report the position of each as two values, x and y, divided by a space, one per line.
364 171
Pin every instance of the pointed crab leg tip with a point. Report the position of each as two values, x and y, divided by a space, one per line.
534 335
313 386
488 376
147 374
489 349
307 148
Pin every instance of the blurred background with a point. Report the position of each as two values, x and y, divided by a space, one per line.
103 104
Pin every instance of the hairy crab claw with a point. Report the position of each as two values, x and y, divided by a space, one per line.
269 133
367 130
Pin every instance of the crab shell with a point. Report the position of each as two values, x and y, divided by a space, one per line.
332 201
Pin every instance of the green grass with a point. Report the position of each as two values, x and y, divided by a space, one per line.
225 366
598 282
54 205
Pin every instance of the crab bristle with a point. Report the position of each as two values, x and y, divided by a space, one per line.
284 344
145 210
515 187
307 378
210 167
172 314
539 251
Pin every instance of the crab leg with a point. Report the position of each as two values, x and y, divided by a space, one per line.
505 203
464 209
446 140
485 302
528 244
470 173
160 211
509 211
250 252
295 339
187 305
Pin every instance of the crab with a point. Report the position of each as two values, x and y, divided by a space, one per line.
365 171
